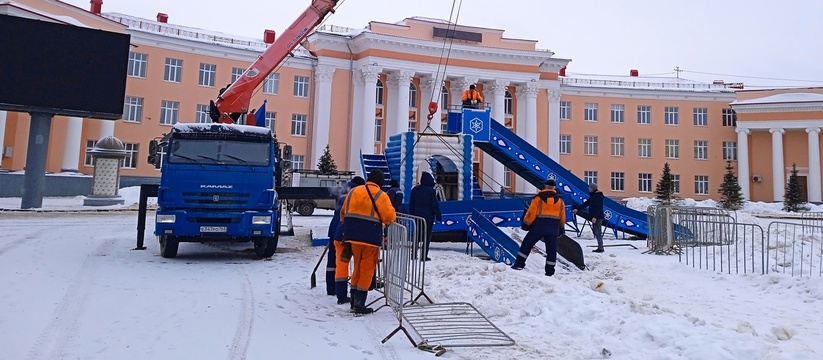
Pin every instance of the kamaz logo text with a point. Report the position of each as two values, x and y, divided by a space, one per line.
216 186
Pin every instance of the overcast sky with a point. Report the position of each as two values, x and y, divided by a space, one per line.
765 42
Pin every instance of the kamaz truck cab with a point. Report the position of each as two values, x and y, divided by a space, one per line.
217 183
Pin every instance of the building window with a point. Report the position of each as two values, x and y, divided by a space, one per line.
701 185
130 161
565 110
508 103
444 98
169 112
298 124
590 145
676 183
618 113
590 113
133 109
618 181
88 160
271 120
644 148
672 149
174 70
207 73
644 182
301 86
565 144
507 178
701 149
412 96
730 150
378 129
701 117
644 114
272 84
298 162
378 94
671 115
590 177
202 114
729 118
137 65
618 146
236 73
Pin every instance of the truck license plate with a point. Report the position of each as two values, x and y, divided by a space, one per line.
213 229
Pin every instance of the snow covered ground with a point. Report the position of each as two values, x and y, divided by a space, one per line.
73 289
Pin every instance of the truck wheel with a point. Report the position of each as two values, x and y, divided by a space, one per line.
305 209
168 246
266 246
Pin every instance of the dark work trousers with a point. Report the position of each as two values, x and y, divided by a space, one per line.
529 241
597 229
331 266
428 239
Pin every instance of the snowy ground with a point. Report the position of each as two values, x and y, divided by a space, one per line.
74 289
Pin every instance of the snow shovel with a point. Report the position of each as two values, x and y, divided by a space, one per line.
571 251
313 279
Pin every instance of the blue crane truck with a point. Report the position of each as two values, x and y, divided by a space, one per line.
217 183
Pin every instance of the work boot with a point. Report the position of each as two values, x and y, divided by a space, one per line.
359 301
598 250
353 301
549 270
340 288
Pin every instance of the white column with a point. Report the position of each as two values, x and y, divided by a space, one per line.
498 113
71 149
743 175
402 79
814 183
778 171
429 91
531 91
390 107
106 128
520 127
369 74
323 75
554 123
2 135
357 127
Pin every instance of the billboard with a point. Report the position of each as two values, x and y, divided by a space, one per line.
62 69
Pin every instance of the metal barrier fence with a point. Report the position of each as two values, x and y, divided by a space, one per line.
738 248
415 279
796 249
814 218
403 276
671 227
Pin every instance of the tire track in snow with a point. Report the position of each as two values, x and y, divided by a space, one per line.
65 319
15 243
245 323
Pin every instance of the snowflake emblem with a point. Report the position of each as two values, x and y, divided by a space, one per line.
497 253
476 125
607 214
551 176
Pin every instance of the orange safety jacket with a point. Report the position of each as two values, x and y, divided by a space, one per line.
360 220
546 213
470 94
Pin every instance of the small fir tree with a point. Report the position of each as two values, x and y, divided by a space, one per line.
665 187
326 165
791 200
731 197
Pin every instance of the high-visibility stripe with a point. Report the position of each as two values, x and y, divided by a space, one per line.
371 214
552 263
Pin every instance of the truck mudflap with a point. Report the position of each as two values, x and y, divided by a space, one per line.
235 226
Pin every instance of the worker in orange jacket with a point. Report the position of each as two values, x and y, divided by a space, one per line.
545 219
472 98
364 213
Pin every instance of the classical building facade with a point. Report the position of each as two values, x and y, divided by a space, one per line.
352 88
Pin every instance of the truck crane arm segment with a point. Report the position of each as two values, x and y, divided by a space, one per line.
234 101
